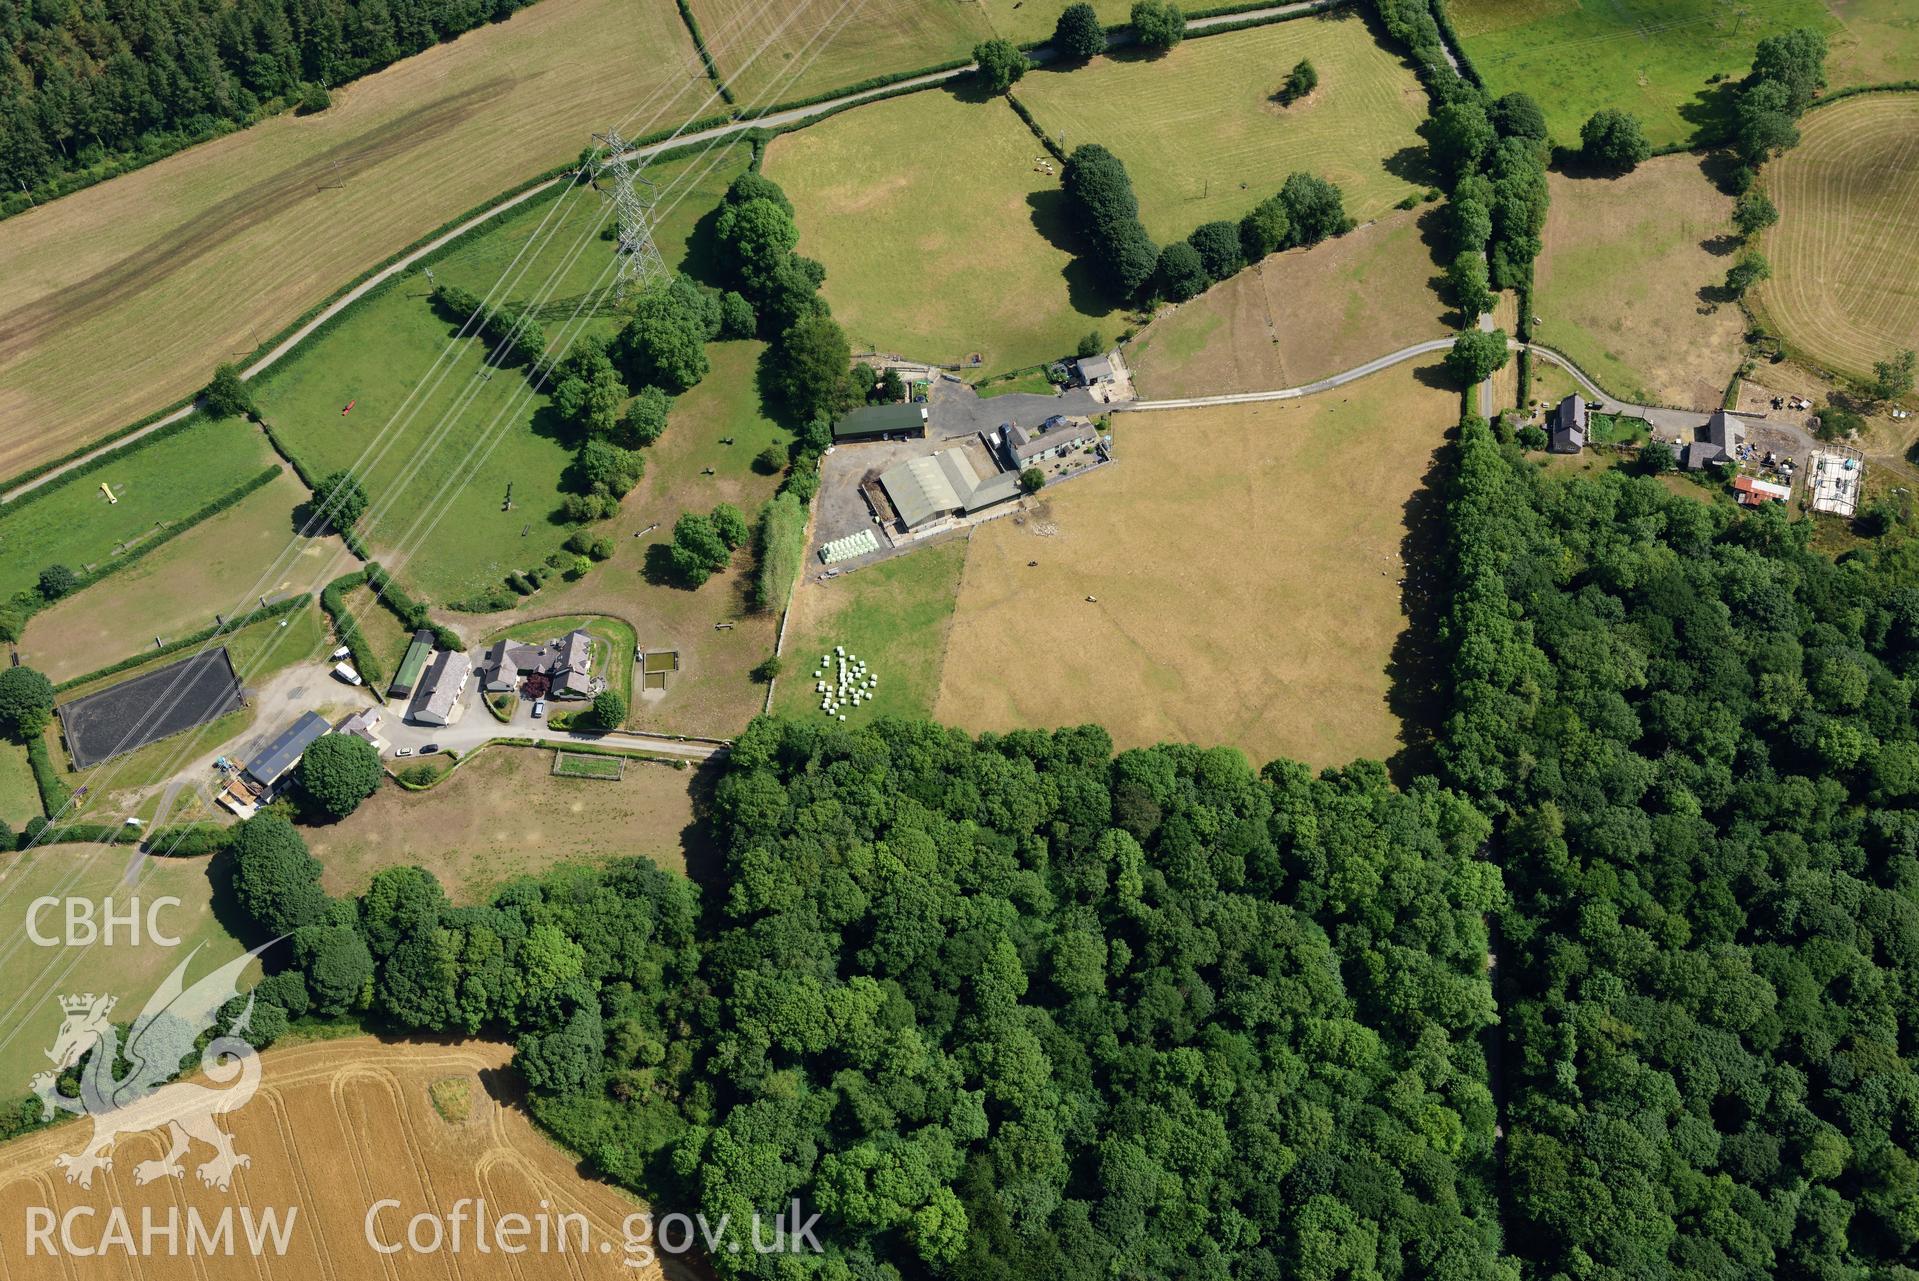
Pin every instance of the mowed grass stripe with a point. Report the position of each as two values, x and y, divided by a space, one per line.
818 45
1202 138
1845 254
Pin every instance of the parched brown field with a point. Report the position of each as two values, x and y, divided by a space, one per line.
124 297
770 53
249 550
1630 283
335 1127
503 814
1300 316
1243 563
1845 253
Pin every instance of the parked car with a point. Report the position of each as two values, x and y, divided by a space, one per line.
340 653
345 672
539 708
429 749
404 751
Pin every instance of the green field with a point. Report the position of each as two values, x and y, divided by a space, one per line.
435 440
777 53
1658 59
586 765
19 798
73 524
32 976
1203 139
219 567
895 615
940 237
1019 21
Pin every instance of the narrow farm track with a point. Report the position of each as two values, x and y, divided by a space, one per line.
735 128
1845 253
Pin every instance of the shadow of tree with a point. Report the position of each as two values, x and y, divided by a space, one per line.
1416 671
1411 164
1721 245
1084 289
1437 376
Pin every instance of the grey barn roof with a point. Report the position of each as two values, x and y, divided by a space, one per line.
1568 434
284 752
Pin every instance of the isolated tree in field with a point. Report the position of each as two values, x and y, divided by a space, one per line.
1158 25
1266 229
1459 136
1079 35
770 461
1001 63
1477 356
338 772
1315 208
808 367
1753 213
609 709
731 526
1796 61
228 395
274 877
339 500
57 581
1181 273
644 419
1218 246
1517 115
1751 268
1891 379
1612 141
767 669
697 551
1032 480
26 702
1300 81
1467 277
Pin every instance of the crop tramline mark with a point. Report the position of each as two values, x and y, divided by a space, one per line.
571 330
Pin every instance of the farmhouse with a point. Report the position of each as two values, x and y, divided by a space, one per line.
564 666
1567 431
1020 447
1094 371
412 665
1718 442
873 422
943 484
364 724
437 701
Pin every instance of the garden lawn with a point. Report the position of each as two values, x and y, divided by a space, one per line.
894 614
940 236
1299 316
504 814
222 566
1202 138
1630 283
771 54
30 975
71 523
1668 62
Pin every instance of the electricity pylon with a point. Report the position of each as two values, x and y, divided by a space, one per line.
633 197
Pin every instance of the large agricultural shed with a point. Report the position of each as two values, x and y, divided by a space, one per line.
150 707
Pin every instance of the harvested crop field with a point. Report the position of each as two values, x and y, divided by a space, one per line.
1658 59
1300 316
1845 253
779 53
1231 578
335 1127
149 707
505 814
180 265
1202 137
221 566
906 240
1631 282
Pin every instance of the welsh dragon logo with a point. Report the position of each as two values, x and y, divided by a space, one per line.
140 1097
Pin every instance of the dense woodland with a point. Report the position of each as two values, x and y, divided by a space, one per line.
88 83
1699 738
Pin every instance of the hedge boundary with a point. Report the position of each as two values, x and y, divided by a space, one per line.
699 45
54 794
347 629
286 605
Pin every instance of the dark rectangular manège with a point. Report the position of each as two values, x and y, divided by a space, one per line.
150 707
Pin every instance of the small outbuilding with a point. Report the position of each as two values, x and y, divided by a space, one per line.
873 422
418 653
277 759
1566 433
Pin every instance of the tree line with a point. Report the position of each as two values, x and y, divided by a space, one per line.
86 86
